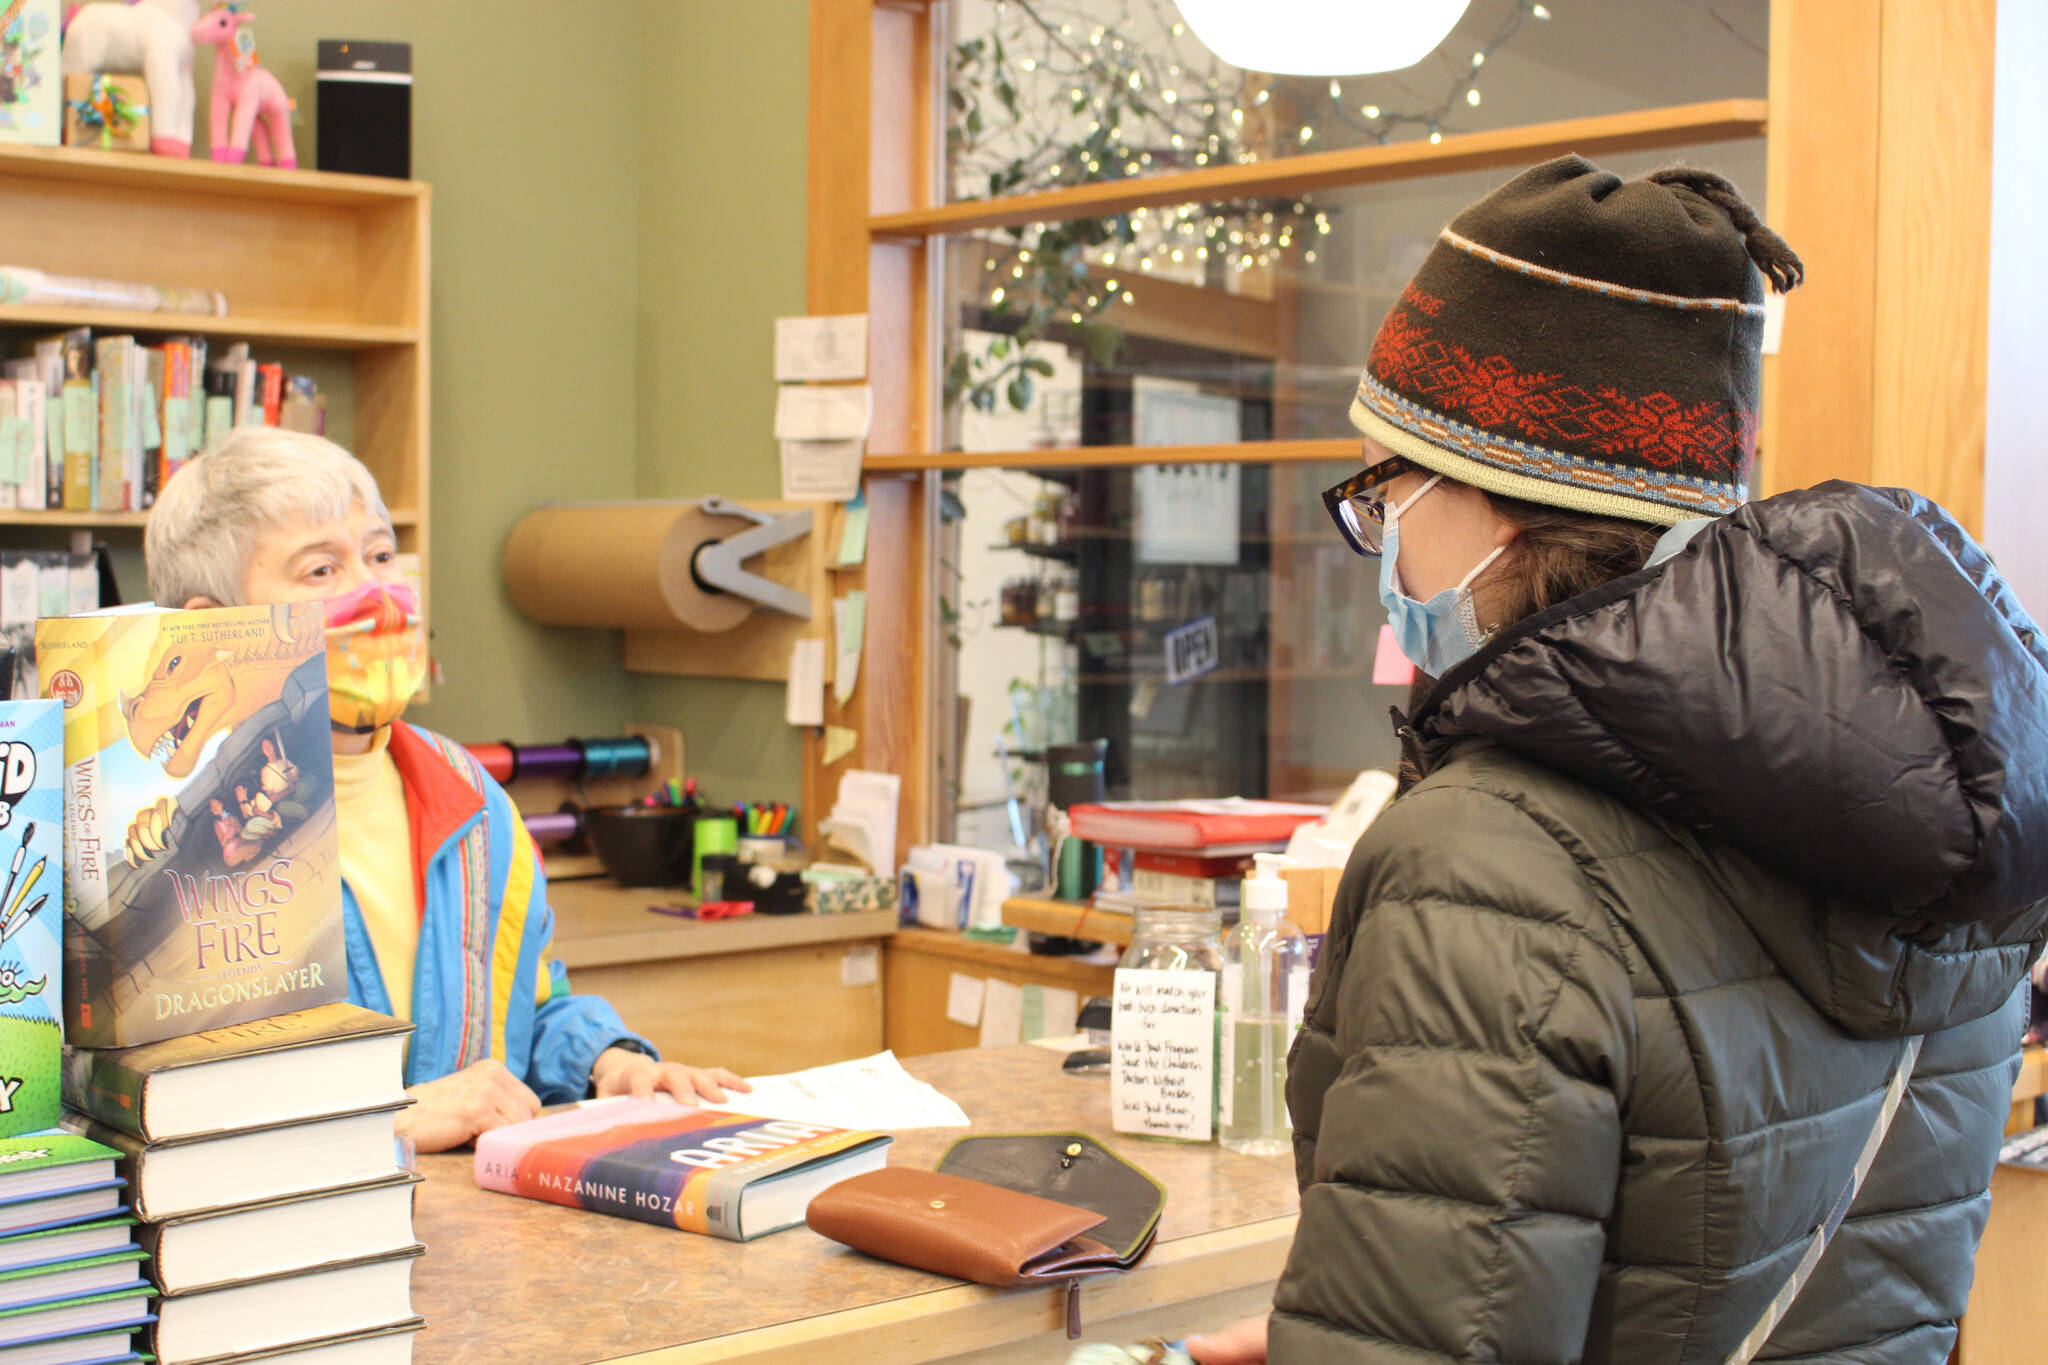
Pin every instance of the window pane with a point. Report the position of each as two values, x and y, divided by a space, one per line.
1053 93
1218 323
1205 620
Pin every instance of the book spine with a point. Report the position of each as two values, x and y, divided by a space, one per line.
1190 865
10 419
81 437
115 375
96 1083
33 402
1208 892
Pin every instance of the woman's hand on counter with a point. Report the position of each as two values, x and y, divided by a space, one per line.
621 1071
1241 1343
454 1109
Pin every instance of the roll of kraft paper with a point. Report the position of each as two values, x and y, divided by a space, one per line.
623 566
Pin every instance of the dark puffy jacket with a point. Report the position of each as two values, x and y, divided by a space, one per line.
1612 993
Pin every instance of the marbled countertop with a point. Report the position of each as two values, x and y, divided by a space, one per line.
510 1280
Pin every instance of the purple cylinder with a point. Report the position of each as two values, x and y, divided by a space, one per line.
554 827
551 760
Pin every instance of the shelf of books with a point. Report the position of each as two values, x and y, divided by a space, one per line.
149 304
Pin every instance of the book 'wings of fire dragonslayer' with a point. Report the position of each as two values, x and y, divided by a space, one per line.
203 878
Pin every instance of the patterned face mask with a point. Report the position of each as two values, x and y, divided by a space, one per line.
376 656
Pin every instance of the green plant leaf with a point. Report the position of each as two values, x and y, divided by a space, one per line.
1020 392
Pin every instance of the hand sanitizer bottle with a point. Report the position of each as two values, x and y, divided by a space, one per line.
1263 992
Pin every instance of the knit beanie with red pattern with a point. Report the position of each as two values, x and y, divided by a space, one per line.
1585 342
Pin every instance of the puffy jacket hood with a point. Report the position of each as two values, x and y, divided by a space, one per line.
1837 684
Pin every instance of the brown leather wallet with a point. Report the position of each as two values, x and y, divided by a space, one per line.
964 1228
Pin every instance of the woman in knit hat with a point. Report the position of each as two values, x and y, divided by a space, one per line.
1672 1011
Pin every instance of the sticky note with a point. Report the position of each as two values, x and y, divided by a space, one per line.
963 999
853 540
1002 1014
850 616
862 966
1390 667
805 704
839 742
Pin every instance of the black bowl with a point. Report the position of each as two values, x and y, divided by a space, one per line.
641 845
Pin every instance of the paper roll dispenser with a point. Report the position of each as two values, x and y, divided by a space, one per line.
698 566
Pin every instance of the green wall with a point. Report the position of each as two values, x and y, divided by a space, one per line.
618 216
722 186
530 144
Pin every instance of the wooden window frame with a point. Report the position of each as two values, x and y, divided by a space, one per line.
1866 179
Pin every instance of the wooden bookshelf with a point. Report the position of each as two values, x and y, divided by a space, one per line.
309 260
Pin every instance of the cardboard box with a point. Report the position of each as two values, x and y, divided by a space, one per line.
1311 893
107 111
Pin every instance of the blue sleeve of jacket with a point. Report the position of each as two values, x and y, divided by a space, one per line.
559 1034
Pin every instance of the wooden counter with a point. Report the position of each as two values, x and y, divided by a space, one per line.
760 994
507 1281
1068 919
920 964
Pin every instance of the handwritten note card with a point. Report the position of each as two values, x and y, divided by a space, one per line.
821 348
1163 1036
838 412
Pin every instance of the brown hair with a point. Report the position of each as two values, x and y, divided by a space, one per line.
1558 555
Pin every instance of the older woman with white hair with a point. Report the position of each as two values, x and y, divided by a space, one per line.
278 516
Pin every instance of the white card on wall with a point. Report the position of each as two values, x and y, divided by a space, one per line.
963 999
821 348
821 471
823 412
1002 1014
1162 1078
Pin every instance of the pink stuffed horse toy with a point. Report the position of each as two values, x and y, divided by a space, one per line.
244 93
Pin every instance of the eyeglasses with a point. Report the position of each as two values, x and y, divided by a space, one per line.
1359 504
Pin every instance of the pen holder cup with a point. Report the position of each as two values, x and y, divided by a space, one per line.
641 845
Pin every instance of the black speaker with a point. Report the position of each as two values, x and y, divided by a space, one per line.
366 108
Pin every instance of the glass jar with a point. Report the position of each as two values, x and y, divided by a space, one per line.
1175 938
1163 1038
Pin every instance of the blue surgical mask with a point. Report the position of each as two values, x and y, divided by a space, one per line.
1443 632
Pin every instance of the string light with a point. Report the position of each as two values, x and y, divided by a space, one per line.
1539 11
1128 298
997 296
1370 111
1478 59
1435 136
1336 89
1472 96
1307 132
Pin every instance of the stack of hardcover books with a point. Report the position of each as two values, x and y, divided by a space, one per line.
71 1286
209 1041
1185 852
262 1163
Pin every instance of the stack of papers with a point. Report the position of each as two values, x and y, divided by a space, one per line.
870 1092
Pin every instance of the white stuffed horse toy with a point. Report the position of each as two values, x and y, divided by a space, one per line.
150 38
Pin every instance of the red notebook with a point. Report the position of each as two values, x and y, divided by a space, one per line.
1232 825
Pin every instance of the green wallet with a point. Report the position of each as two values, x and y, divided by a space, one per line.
1072 1169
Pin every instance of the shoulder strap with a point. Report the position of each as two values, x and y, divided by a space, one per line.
1818 1243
